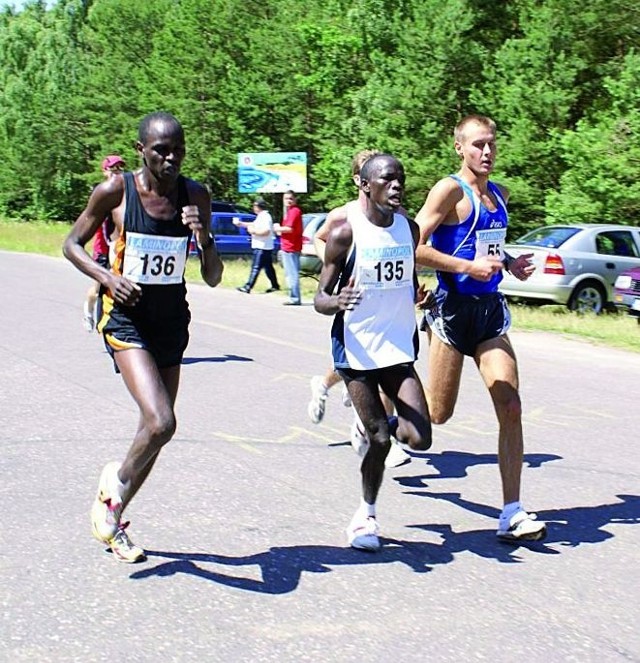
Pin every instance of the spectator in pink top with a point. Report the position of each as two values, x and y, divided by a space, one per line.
290 231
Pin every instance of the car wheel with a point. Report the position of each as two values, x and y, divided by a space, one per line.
588 297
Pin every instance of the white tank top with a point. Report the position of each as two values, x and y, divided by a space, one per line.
381 330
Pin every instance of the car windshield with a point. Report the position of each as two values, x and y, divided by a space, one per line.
550 237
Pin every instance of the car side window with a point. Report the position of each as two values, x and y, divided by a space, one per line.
223 225
616 243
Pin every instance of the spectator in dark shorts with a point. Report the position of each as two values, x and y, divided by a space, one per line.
156 211
465 219
374 334
102 240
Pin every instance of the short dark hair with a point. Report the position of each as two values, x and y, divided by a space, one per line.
261 203
372 164
159 116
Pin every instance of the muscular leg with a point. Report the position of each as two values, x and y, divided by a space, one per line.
171 378
331 378
366 401
154 393
403 389
496 361
445 369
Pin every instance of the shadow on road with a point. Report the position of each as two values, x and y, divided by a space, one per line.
282 568
571 527
214 360
454 465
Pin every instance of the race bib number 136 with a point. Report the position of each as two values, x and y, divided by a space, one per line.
154 259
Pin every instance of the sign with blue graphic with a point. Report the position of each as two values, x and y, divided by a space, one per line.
272 172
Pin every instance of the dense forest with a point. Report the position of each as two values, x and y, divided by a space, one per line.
327 77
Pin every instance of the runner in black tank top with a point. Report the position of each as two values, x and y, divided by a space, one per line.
146 316
159 320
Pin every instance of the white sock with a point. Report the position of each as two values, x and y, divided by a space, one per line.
121 488
510 510
366 509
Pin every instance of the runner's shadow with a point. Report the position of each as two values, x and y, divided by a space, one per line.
455 464
198 360
282 567
571 527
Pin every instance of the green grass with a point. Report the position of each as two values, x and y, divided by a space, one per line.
620 331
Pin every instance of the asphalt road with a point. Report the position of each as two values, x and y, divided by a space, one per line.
244 515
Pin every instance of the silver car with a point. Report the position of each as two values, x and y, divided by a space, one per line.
576 264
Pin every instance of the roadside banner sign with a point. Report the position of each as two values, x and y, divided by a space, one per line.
272 172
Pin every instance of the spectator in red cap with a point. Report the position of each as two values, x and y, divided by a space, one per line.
103 238
114 163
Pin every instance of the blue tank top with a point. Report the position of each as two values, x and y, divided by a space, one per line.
483 232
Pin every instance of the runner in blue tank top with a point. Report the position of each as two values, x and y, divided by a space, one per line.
370 258
465 217
146 316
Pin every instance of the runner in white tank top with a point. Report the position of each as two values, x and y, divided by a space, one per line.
377 333
370 258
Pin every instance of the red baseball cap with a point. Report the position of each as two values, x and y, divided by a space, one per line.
111 161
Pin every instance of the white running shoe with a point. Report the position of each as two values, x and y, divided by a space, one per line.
124 549
362 533
358 438
346 398
522 526
397 456
318 402
107 506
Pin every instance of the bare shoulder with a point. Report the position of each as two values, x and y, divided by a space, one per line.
195 189
336 216
340 232
440 205
109 193
447 189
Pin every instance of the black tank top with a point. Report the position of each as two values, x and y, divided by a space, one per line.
159 302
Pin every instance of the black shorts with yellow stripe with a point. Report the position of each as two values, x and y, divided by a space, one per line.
165 339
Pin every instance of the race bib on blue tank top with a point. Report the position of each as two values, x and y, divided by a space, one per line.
490 242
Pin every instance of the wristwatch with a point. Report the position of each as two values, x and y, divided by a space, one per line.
506 261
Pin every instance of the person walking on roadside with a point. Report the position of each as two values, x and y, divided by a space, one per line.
262 241
145 326
465 218
290 231
370 257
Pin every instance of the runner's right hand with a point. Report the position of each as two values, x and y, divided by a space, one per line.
123 291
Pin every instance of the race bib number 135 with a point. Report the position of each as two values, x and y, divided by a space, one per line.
154 259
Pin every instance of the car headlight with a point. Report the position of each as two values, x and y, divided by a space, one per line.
623 282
